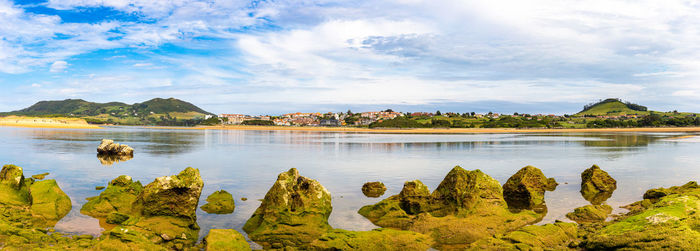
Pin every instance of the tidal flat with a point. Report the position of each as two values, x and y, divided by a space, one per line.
246 164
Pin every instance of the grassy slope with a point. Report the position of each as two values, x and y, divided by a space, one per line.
611 109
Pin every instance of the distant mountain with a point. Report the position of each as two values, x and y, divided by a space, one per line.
156 111
613 106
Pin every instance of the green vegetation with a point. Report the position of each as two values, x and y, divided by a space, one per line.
258 122
158 111
612 106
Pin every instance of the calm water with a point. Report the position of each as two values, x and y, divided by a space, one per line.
246 163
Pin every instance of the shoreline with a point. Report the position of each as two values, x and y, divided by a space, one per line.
36 122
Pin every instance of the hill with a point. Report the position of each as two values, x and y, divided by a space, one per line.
612 107
156 111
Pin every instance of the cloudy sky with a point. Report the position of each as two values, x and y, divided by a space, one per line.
271 57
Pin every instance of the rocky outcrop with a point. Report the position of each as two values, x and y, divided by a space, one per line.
597 185
225 240
14 189
176 195
465 207
557 236
108 147
219 202
49 202
293 213
526 188
590 213
373 189
378 239
119 197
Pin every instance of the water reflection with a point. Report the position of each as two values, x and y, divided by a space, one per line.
110 159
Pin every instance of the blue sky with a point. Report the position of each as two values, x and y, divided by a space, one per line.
271 57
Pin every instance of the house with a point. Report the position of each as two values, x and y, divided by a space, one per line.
330 122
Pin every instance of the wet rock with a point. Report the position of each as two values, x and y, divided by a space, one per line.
107 146
244 198
597 185
12 176
49 202
657 193
466 206
117 218
294 212
219 202
40 176
590 213
373 189
120 196
378 239
669 222
99 188
224 240
176 195
557 236
14 189
525 189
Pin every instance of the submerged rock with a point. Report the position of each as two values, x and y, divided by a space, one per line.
590 213
49 202
294 212
597 185
557 236
373 189
107 146
378 239
176 195
466 206
525 189
40 176
225 240
119 196
220 202
669 222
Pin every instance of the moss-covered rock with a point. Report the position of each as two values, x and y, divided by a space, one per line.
219 202
526 188
117 218
590 213
49 202
120 195
466 206
671 223
373 189
378 239
14 188
294 212
224 240
12 176
597 185
557 236
176 195
40 176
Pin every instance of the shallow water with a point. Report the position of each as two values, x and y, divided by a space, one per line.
246 163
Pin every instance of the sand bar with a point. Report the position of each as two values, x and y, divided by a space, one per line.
37 122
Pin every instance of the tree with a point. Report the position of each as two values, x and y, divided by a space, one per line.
438 113
349 112
388 110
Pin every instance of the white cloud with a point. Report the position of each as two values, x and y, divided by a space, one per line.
58 66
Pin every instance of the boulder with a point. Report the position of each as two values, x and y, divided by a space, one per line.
373 189
49 202
293 213
12 176
219 202
107 146
590 213
225 240
414 198
377 239
525 189
176 195
597 185
40 176
14 189
119 196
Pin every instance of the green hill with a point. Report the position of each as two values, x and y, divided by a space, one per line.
156 111
612 107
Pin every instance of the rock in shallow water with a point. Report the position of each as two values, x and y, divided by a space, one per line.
597 185
49 202
176 195
373 189
225 240
526 188
590 213
119 196
219 202
108 147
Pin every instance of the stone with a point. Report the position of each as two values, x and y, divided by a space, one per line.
99 188
117 218
377 239
590 213
293 213
107 146
119 196
414 198
225 240
557 236
14 189
49 202
597 185
219 202
176 195
12 176
526 188
40 176
373 189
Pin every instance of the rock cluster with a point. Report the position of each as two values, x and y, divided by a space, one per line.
373 189
526 188
597 185
108 147
590 213
219 202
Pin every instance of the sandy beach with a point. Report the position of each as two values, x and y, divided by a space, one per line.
36 122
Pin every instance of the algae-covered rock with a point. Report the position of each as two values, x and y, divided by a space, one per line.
557 236
40 176
225 240
14 189
373 189
466 206
219 202
590 213
670 223
176 195
119 196
657 193
12 176
107 146
378 239
525 189
117 218
49 202
294 212
597 185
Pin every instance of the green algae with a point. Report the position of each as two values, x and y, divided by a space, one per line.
373 189
49 202
526 188
117 218
557 236
590 213
176 195
40 176
224 240
119 196
596 185
378 239
219 202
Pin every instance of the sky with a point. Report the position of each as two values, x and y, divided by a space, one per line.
273 57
